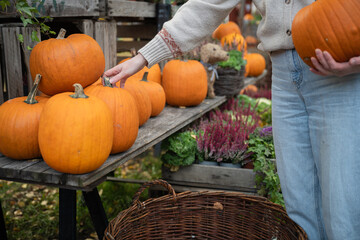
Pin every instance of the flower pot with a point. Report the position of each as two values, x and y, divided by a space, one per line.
230 165
209 163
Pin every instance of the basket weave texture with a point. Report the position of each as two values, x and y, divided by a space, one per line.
230 81
203 215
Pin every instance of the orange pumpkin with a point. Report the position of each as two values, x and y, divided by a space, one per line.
184 82
19 124
255 64
155 92
249 88
234 40
75 132
330 25
248 17
124 112
65 61
225 29
251 40
142 99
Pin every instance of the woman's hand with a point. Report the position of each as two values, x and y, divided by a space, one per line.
325 65
124 70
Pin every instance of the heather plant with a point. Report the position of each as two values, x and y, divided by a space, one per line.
222 137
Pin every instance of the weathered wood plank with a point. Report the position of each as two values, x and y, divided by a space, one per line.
27 32
147 31
13 63
1 78
216 177
86 26
105 35
123 8
14 168
60 8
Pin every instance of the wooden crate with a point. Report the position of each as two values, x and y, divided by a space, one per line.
198 176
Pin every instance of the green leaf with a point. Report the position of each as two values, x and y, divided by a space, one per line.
29 48
4 4
34 36
21 38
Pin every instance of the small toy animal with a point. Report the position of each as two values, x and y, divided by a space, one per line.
210 54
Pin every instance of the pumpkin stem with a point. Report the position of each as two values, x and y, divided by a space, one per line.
106 82
79 91
31 97
61 34
144 78
133 52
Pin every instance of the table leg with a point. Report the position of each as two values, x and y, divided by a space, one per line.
67 214
3 234
97 212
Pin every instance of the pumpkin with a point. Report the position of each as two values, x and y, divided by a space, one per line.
142 100
75 132
155 92
330 25
249 88
124 111
251 40
248 17
234 40
65 61
225 29
184 82
19 124
255 64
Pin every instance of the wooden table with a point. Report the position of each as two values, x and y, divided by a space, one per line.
36 171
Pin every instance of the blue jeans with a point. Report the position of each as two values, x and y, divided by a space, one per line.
317 145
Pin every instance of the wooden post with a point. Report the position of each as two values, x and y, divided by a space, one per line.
105 35
1 81
26 32
86 26
13 63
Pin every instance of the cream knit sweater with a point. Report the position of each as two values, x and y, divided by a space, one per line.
197 19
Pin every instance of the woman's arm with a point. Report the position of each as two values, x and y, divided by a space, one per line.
325 65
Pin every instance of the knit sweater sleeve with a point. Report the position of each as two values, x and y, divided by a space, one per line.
192 23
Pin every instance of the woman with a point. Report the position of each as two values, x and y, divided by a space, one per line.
315 112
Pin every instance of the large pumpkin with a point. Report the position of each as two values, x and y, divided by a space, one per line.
255 64
65 61
142 100
19 125
75 132
184 82
124 111
225 29
331 25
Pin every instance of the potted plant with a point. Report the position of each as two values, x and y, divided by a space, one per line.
231 72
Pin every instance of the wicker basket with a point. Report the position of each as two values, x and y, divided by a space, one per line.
230 81
202 215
